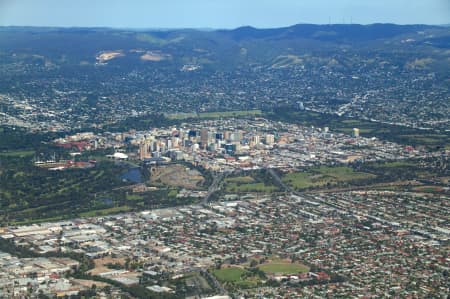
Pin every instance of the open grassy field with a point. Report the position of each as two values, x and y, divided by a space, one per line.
17 154
103 212
134 197
173 193
249 182
317 177
283 268
235 276
240 179
395 164
230 274
428 139
41 220
401 169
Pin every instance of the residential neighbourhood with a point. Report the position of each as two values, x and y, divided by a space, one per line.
362 242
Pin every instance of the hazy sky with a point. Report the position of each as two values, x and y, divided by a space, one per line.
219 14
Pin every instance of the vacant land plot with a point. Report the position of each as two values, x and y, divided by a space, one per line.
155 56
90 283
108 55
317 177
176 175
429 189
101 264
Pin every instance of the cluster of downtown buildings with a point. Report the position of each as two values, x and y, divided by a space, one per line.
243 144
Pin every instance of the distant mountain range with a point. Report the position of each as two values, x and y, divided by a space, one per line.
85 43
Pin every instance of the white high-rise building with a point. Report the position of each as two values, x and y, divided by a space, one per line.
256 139
270 139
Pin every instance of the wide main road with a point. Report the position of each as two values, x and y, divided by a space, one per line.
277 178
215 186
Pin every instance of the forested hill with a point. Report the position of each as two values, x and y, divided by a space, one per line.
75 45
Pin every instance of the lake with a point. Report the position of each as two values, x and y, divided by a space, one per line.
132 175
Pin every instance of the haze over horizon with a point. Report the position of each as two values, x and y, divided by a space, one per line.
218 14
